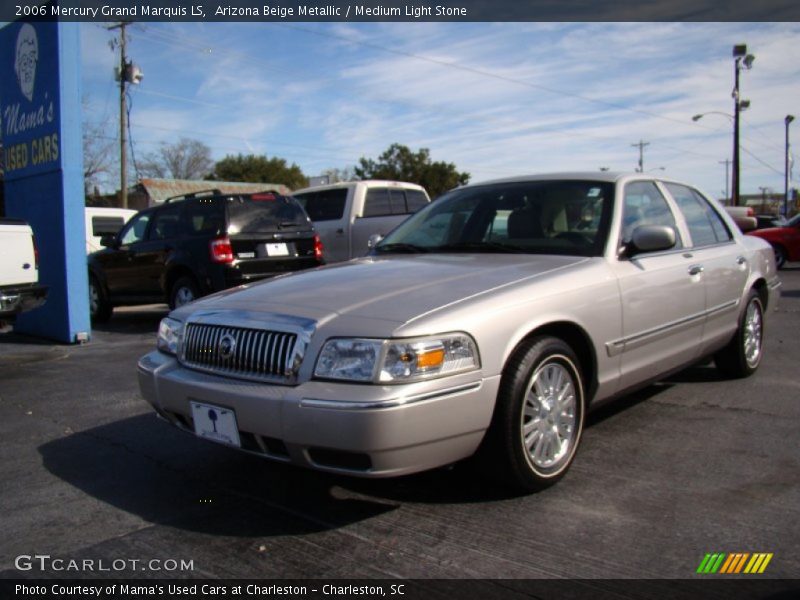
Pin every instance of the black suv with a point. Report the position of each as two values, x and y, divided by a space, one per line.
197 244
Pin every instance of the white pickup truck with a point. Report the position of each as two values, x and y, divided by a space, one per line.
19 270
347 214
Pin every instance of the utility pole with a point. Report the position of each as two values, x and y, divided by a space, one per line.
787 121
741 60
727 163
123 116
641 145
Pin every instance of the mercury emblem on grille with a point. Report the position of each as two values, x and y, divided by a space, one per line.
227 346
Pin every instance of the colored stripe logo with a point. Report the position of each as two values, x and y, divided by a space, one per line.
734 563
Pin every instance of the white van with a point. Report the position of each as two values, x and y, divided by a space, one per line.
102 221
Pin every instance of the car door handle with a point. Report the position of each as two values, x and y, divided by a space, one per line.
696 269
741 260
340 231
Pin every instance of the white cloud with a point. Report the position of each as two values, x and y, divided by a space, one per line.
494 98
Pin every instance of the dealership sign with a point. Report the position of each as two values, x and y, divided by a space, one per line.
30 119
40 124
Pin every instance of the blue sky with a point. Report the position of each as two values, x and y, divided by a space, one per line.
496 99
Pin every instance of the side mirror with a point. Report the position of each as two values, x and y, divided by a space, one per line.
746 223
651 238
108 241
374 239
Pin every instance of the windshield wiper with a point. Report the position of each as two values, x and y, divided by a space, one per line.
481 247
400 247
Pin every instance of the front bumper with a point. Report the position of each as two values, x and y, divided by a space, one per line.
21 298
364 430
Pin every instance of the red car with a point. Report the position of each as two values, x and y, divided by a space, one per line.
785 240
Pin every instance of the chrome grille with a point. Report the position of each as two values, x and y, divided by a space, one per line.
239 352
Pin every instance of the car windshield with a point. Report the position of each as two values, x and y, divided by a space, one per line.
535 217
265 212
793 222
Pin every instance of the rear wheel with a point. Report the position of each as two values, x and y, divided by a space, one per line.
183 291
538 419
742 355
99 307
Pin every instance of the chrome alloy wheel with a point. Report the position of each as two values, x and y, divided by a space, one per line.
549 415
753 333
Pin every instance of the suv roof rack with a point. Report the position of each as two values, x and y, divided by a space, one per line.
209 192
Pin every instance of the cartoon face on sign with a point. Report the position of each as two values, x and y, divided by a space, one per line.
26 59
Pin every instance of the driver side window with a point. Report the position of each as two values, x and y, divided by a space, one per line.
644 205
136 229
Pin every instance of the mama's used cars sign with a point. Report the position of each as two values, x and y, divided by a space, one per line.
40 123
30 115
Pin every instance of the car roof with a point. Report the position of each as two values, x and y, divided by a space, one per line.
600 176
366 182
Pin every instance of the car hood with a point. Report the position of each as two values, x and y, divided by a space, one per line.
394 288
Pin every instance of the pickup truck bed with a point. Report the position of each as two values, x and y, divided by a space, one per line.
19 273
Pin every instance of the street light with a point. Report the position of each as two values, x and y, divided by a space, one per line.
741 60
743 105
787 120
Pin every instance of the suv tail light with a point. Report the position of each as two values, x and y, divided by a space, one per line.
35 252
317 247
221 250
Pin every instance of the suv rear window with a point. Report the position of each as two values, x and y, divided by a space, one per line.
261 213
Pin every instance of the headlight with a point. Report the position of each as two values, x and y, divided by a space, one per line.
170 332
397 361
349 359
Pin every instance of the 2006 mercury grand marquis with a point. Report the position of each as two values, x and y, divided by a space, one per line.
490 321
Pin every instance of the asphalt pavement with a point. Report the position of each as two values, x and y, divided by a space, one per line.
694 465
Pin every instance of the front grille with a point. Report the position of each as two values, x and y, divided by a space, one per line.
239 352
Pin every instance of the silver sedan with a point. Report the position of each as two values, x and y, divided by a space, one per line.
489 322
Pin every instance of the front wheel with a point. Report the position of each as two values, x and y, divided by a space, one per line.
539 415
100 308
742 355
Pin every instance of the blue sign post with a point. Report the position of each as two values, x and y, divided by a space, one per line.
40 113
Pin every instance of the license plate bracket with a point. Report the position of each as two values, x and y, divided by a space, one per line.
215 423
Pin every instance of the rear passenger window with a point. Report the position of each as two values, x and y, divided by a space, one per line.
166 224
705 225
204 217
325 205
644 205
377 203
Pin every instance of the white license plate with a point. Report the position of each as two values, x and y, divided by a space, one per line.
215 423
277 249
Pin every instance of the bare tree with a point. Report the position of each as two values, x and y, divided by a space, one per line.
99 155
185 159
335 175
